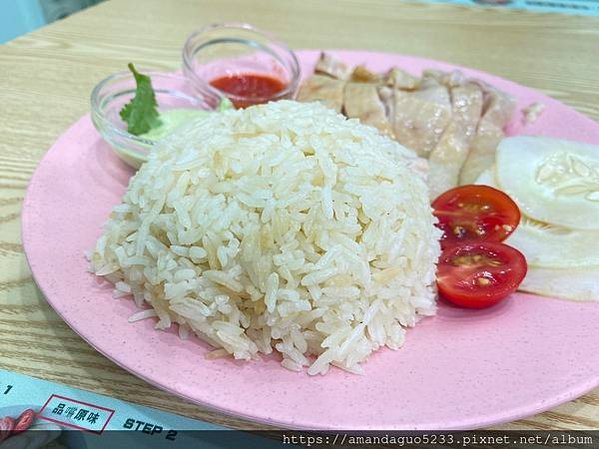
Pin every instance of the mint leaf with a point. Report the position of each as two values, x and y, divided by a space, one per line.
141 113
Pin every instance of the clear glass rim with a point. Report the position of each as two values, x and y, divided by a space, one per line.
189 52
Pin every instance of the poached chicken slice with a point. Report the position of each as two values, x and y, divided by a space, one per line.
362 75
362 101
450 80
498 108
400 79
324 89
419 118
448 157
329 66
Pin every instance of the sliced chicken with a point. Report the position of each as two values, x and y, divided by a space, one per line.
482 152
387 96
420 117
362 101
400 79
498 106
498 109
451 79
459 133
447 158
324 89
327 65
362 75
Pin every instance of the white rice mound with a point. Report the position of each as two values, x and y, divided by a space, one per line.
279 227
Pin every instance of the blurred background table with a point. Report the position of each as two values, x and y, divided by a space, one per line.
46 78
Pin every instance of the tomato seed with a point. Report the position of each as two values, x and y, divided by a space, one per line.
483 281
477 259
459 231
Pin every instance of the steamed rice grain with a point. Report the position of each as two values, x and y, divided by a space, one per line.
279 227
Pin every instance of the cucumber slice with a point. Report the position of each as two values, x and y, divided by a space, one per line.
550 246
575 284
547 245
552 180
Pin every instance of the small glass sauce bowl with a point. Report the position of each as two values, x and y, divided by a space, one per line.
173 91
234 50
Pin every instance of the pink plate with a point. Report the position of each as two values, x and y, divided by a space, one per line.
460 369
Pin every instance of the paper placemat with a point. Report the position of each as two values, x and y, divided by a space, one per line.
65 417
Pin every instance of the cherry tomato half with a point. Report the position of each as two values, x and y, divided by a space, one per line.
478 275
475 213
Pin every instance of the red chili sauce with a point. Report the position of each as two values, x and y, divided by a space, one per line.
249 88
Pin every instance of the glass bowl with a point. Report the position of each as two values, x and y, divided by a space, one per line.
173 91
233 49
